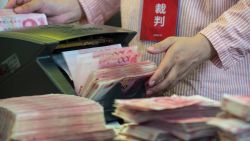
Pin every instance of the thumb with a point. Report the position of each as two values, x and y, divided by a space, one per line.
162 46
29 7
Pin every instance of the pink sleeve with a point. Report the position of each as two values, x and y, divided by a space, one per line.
99 11
230 35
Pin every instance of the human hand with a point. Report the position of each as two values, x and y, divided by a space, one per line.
183 54
57 11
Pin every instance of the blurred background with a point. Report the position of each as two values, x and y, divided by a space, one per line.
2 3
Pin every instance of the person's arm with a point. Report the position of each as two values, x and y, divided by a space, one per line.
68 11
99 11
230 35
224 41
57 11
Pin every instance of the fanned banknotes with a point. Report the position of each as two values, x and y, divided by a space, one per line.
96 71
12 21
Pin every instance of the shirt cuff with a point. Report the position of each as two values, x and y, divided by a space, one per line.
224 58
92 13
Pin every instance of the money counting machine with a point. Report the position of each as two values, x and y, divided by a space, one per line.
27 67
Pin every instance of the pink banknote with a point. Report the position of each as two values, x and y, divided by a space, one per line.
11 21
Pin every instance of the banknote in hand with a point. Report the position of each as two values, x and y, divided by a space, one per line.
12 21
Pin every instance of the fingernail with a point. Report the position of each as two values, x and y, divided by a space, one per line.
149 92
18 9
151 83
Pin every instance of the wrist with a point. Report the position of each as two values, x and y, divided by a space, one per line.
208 49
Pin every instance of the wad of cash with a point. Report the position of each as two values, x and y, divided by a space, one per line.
52 117
175 118
95 71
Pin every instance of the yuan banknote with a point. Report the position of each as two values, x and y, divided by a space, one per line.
11 21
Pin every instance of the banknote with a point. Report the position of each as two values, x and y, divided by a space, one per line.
175 108
237 105
97 70
10 21
128 77
231 125
101 62
164 103
145 132
160 130
231 129
70 57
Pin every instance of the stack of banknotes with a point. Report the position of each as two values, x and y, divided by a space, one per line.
53 117
234 122
96 71
173 118
9 20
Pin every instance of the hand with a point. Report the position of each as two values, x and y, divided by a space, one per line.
57 11
183 54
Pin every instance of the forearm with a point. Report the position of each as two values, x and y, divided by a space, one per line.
99 11
230 35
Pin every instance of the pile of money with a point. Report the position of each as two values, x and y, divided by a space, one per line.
96 71
11 21
53 117
234 123
168 118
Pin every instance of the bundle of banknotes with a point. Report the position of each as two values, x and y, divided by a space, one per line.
9 20
97 70
53 117
173 118
234 122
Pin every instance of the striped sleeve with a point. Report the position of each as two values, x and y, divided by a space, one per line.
230 35
99 11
